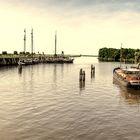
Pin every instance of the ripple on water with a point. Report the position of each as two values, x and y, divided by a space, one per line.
47 102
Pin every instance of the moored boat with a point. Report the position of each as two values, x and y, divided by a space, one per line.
20 62
25 62
29 61
59 60
129 77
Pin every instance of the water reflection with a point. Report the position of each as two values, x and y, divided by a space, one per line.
19 69
82 85
55 73
131 95
57 68
92 75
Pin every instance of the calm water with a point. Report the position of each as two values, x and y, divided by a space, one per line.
46 102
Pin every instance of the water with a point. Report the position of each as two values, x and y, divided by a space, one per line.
46 102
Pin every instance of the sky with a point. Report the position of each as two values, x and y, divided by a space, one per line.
83 26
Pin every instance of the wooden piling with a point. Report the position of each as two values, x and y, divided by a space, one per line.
80 74
83 76
92 68
92 71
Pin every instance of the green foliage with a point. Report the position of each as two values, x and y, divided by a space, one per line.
15 53
112 54
27 53
22 53
4 52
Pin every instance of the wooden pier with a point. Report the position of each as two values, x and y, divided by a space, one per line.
9 59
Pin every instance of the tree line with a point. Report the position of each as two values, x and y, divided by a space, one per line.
113 54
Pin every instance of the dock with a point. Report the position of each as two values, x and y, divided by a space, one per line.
9 59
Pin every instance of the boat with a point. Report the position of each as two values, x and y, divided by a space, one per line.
58 58
25 62
29 61
129 77
20 62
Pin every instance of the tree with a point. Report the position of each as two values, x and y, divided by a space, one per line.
4 52
112 54
15 52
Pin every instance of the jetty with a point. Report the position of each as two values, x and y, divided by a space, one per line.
11 59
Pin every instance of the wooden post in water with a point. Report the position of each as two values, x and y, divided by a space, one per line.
92 70
83 76
80 74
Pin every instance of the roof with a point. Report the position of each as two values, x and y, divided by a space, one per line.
131 69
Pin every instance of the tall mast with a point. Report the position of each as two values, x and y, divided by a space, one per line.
121 55
55 43
32 41
24 40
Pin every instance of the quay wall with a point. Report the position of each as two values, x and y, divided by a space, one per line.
8 61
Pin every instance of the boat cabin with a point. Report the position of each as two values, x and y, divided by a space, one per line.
131 71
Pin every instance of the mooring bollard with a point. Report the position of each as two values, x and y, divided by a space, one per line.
82 79
91 67
84 76
80 75
92 70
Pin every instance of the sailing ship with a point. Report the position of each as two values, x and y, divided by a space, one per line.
58 58
31 60
129 77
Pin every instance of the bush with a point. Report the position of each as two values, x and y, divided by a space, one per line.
15 52
4 52
27 53
113 54
22 53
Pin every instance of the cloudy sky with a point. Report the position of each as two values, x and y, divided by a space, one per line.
83 26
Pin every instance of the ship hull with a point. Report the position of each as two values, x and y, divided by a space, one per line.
123 81
59 60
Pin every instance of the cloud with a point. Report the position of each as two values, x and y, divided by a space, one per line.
104 5
79 11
